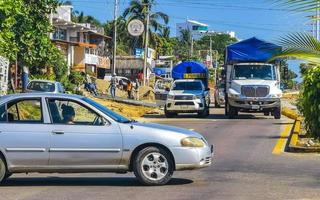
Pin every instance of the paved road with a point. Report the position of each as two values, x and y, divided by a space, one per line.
244 168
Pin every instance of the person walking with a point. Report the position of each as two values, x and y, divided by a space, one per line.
129 89
113 86
136 89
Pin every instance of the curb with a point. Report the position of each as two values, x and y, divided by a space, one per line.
128 101
295 132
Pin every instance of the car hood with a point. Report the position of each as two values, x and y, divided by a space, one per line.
160 127
185 92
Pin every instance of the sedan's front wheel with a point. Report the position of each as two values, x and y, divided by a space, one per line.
153 166
3 170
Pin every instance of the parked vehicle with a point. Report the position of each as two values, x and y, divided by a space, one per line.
219 95
60 133
187 96
252 84
161 90
45 86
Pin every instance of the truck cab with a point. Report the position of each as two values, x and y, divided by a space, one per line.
252 78
253 87
187 96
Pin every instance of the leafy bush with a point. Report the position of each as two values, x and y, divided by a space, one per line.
309 101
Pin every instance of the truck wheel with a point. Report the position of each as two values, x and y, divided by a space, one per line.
277 113
231 111
169 114
153 166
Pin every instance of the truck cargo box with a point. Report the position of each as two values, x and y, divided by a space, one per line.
251 50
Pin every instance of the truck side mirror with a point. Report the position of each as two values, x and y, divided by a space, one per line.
167 89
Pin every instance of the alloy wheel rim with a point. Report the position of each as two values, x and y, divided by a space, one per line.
154 166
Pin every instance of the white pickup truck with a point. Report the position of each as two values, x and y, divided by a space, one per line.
187 96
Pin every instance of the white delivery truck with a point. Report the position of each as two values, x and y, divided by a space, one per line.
252 83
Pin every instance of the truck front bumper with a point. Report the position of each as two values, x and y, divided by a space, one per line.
255 104
185 106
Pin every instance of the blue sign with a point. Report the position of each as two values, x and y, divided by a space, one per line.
138 53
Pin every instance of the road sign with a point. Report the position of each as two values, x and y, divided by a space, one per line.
136 27
139 53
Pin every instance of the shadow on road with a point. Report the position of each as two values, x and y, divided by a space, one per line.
83 181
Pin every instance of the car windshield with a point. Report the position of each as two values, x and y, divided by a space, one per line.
196 85
105 110
41 86
264 72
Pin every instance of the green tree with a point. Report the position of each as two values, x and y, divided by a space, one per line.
26 31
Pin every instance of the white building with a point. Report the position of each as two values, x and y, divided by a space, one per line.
197 29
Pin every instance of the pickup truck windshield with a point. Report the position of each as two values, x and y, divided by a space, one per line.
263 72
187 86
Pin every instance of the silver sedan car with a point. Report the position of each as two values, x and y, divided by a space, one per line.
60 133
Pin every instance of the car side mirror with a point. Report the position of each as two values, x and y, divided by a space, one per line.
208 89
167 89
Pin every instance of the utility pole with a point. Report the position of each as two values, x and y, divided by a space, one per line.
145 76
113 69
318 22
211 51
191 46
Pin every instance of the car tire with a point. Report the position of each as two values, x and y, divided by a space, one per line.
169 114
3 170
277 113
266 113
216 104
153 166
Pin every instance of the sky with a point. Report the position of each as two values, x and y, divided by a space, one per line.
264 19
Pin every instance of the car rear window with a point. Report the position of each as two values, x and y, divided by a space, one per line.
3 113
41 86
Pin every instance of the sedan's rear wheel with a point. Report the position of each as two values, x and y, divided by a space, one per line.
153 166
3 170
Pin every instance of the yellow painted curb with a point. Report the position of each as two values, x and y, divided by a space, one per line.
290 113
282 140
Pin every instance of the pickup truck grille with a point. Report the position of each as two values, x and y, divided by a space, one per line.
183 97
255 91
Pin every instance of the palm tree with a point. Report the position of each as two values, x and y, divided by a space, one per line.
138 10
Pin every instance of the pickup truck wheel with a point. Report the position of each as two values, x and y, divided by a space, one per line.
277 113
216 104
3 170
153 166
169 114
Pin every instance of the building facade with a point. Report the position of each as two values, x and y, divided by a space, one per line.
82 44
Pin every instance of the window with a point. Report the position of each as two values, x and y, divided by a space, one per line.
28 110
41 86
72 113
3 113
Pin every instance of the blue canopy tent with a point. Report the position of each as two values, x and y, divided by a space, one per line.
192 70
251 50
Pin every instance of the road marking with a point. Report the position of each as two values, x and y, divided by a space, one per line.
282 140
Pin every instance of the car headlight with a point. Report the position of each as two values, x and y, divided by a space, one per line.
192 142
170 97
195 97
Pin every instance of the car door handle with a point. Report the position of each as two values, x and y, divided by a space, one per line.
57 132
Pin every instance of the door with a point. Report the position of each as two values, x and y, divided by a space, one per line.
81 137
24 138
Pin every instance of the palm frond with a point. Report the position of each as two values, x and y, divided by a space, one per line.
300 46
300 5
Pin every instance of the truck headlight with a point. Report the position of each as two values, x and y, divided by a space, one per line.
170 97
192 142
195 97
275 95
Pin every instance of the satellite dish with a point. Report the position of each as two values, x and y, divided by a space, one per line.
135 27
